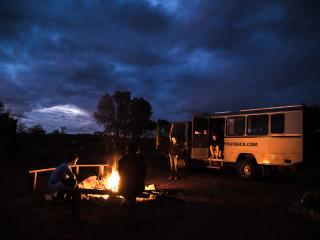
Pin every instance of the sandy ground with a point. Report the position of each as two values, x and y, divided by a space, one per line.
207 204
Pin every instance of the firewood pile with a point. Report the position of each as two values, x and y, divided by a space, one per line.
308 207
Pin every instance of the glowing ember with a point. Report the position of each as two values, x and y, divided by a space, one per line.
150 187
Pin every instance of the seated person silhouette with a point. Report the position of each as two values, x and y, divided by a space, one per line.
214 145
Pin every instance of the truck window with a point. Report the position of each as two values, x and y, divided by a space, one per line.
277 123
235 126
257 125
200 126
163 132
178 131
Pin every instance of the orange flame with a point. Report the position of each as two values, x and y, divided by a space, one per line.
112 181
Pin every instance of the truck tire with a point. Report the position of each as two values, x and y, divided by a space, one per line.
246 169
182 163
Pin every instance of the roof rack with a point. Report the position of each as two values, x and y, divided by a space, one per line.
269 108
221 112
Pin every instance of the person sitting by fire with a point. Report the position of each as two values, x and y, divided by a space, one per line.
214 145
62 179
132 172
175 149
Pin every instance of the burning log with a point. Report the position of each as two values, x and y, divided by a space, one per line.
95 191
105 187
108 186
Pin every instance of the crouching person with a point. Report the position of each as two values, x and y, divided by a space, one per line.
132 171
62 180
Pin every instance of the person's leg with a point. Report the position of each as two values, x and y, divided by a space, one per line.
176 168
58 187
128 208
211 151
171 167
69 185
61 194
217 151
132 208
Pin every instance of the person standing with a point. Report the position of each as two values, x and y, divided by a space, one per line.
175 149
132 171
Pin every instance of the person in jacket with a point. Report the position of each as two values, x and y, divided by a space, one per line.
132 172
62 179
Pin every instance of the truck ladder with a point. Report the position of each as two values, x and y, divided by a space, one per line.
215 163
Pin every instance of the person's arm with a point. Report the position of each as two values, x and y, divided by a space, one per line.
69 172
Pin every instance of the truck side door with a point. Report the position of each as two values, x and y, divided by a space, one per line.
200 138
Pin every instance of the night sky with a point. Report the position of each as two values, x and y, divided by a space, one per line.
58 57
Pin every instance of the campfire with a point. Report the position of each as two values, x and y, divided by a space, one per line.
110 182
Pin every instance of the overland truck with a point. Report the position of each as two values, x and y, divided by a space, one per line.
252 140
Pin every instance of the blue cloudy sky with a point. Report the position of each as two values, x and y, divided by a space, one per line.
183 56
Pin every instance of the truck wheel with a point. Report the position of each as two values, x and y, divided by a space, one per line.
182 163
246 169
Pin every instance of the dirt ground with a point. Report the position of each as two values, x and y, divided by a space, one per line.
207 204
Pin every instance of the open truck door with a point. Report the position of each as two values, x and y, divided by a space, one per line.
200 138
162 137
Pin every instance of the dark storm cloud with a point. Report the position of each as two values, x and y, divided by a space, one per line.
139 16
182 56
265 61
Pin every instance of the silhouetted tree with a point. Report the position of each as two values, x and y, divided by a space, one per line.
21 127
139 119
5 113
37 130
61 130
163 122
123 102
123 116
105 113
6 119
8 128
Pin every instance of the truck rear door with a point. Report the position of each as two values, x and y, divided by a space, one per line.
162 137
